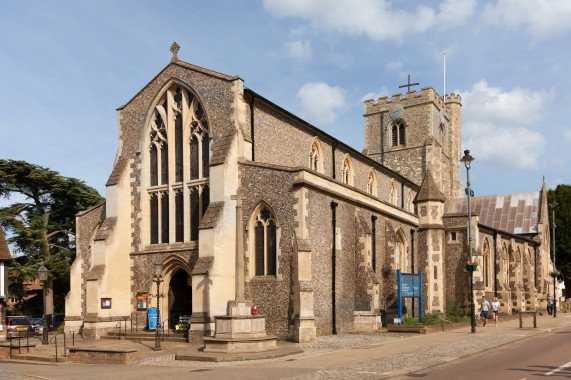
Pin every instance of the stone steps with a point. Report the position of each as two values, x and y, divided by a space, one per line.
145 336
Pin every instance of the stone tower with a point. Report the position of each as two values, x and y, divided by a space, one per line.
418 132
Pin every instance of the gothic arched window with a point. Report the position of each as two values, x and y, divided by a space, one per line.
316 157
400 252
393 193
265 243
347 171
398 132
178 190
409 200
372 183
486 263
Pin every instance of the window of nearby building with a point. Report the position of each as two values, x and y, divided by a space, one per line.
265 243
178 190
453 236
372 183
347 171
398 132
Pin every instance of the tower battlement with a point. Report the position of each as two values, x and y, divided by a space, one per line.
427 94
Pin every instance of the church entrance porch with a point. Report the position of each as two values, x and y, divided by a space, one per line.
179 298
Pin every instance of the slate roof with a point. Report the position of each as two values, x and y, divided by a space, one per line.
4 250
428 190
514 213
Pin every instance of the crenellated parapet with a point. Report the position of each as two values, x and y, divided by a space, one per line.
427 94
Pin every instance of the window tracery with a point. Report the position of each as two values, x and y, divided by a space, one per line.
347 171
393 193
178 190
398 133
265 243
372 183
316 157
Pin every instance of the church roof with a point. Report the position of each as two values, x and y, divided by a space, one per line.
4 250
513 213
428 190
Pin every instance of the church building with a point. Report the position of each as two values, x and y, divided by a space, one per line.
239 199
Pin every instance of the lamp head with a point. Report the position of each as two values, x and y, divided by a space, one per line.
553 203
158 269
467 159
43 273
16 271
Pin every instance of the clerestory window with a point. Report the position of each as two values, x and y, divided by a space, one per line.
178 167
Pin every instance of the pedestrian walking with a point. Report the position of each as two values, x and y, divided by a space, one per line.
484 307
549 303
495 310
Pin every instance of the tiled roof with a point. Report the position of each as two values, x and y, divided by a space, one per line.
4 250
513 213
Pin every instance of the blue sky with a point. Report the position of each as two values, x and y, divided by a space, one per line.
65 66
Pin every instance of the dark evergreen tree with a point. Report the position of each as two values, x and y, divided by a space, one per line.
41 223
562 194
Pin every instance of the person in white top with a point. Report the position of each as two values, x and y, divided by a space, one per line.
495 310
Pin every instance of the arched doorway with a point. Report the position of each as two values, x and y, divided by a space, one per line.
180 297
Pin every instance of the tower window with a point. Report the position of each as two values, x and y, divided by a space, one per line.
398 132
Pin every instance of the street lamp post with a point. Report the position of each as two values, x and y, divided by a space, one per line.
467 159
554 204
43 275
158 278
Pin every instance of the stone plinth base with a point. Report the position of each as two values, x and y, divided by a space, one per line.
239 331
102 356
303 330
240 345
367 322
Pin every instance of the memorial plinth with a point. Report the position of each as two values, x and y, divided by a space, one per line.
239 331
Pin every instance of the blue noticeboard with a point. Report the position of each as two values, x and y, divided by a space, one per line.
409 285
152 318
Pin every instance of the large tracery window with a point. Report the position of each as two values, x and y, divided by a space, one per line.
265 243
178 190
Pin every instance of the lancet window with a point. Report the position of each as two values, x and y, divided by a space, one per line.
316 157
398 132
178 167
265 243
372 183
347 171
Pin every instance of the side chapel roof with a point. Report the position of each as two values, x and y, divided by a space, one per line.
513 213
4 250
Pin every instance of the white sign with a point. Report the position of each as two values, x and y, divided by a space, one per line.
397 320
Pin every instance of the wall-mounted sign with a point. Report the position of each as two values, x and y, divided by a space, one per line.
142 301
106 303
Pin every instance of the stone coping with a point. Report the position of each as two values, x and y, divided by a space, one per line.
240 339
240 316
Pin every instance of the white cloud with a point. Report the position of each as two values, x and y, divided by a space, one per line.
397 67
376 19
300 49
493 119
374 95
321 103
541 18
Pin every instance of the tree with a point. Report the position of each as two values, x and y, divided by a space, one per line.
42 226
562 194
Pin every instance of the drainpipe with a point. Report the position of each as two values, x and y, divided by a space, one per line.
252 125
334 220
535 267
374 242
495 264
402 195
412 263
333 158
382 139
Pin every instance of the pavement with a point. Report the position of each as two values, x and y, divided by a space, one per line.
344 356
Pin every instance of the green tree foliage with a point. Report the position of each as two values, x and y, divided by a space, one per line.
42 224
562 194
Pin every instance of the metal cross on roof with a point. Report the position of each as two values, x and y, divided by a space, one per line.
409 85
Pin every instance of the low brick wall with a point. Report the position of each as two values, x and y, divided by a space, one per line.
5 349
90 355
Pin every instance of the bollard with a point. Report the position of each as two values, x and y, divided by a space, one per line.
73 338
10 348
55 341
27 342
64 346
19 341
520 321
534 320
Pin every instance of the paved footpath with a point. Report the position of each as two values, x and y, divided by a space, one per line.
349 356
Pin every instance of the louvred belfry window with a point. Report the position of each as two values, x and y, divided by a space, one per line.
178 167
398 133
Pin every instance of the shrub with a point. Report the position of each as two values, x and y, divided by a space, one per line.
454 310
